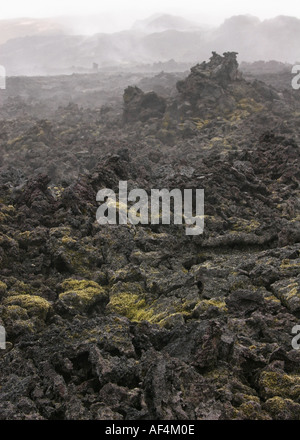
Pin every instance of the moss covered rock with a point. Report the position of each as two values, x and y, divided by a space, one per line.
3 288
282 409
82 296
275 384
35 306
288 292
24 314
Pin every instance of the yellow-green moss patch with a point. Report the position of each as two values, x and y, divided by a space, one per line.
80 295
34 305
275 384
3 288
247 226
205 304
282 409
130 305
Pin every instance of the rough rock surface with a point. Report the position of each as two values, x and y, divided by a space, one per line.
145 322
142 106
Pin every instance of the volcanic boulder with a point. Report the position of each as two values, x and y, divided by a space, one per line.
140 106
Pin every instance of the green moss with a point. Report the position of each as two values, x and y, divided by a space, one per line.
282 409
277 404
293 291
250 105
241 283
289 294
26 235
23 315
81 260
252 410
72 284
218 373
58 191
238 115
272 298
286 263
80 295
21 327
66 240
24 238
281 385
34 305
219 142
135 307
201 123
205 304
60 232
78 253
130 305
15 140
243 225
14 313
6 212
132 301
251 398
296 219
166 122
245 107
3 288
20 288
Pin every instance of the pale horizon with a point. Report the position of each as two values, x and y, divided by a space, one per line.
113 16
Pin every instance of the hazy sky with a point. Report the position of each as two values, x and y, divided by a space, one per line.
127 11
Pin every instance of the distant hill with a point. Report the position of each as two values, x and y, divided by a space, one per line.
24 27
160 23
34 47
277 38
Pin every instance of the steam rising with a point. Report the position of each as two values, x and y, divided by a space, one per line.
75 44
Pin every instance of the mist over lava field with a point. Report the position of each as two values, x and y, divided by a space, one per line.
143 322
